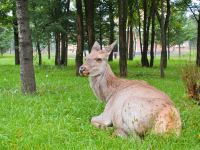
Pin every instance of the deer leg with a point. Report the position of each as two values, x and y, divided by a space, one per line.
102 121
120 133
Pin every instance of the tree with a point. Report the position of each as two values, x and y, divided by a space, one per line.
64 36
122 6
163 51
165 19
80 37
146 21
25 47
5 36
112 26
89 14
153 5
16 39
198 43
130 24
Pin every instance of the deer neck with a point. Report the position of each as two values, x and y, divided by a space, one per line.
104 85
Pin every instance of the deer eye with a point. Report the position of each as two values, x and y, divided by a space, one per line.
98 60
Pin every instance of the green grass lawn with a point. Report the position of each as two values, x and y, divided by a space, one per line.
58 116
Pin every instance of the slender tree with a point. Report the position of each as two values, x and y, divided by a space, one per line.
89 13
111 27
57 55
16 39
49 48
39 53
122 7
130 24
165 28
198 42
139 20
153 4
25 47
144 59
80 36
162 24
64 35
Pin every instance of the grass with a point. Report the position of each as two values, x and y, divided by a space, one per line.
57 117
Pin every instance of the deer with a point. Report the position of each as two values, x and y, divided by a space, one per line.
133 107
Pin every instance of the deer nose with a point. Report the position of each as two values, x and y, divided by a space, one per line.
81 69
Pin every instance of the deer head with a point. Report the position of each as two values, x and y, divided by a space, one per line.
96 62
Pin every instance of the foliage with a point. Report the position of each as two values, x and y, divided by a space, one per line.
191 78
5 39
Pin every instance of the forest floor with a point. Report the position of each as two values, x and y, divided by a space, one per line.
58 116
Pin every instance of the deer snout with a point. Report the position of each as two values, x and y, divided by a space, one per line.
81 69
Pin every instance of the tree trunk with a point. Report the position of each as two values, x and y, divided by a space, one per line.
66 51
57 56
198 43
155 51
49 49
154 3
127 39
80 36
26 49
166 24
168 45
162 59
122 6
140 36
111 27
131 44
63 49
100 28
190 45
16 38
179 50
39 53
64 37
144 60
89 13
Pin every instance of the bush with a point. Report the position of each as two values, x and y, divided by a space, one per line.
191 79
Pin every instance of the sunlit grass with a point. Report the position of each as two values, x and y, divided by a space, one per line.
57 117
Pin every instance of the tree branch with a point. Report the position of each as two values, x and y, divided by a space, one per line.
191 10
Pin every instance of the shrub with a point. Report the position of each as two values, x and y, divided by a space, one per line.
191 79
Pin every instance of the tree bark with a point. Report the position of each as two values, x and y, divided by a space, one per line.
127 39
131 44
162 59
179 50
49 49
26 49
100 27
57 55
89 13
63 49
64 37
140 36
166 24
144 60
39 53
80 36
122 6
154 3
198 43
111 27
16 39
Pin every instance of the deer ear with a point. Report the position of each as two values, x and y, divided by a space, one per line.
111 47
96 46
